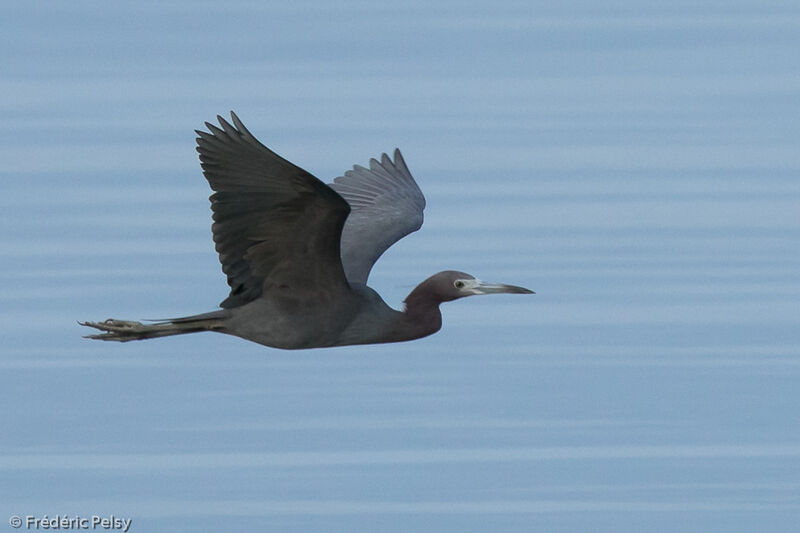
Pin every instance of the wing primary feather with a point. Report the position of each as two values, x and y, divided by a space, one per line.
386 205
244 131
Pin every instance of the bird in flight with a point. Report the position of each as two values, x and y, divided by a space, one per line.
298 252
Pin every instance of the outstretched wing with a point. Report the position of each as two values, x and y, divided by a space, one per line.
276 227
386 205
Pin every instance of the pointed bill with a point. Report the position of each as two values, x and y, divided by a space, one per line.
482 287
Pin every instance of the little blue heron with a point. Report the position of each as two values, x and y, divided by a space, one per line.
298 252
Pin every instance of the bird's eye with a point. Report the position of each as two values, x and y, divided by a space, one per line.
459 284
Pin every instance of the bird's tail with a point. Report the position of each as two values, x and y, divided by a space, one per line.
130 330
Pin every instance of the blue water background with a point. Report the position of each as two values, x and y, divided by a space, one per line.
636 164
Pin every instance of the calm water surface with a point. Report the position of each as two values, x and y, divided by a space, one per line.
636 166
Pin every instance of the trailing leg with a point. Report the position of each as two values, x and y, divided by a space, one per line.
130 330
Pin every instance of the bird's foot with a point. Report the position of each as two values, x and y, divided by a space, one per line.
114 330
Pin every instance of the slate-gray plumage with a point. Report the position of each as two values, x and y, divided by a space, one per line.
298 252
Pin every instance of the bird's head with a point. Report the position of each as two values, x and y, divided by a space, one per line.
451 285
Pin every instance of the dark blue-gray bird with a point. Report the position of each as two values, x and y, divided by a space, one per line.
298 252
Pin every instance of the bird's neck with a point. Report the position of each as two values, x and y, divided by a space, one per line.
422 313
